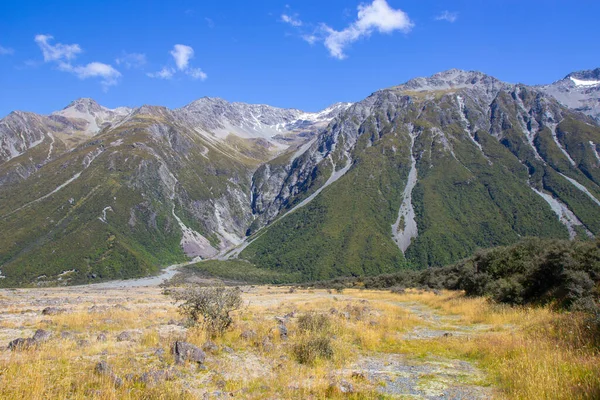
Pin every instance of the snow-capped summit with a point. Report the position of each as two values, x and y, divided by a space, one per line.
252 120
579 90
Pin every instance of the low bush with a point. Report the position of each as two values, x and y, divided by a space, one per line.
564 274
312 347
210 306
313 322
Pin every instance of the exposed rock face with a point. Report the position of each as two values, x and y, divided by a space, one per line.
176 182
579 91
465 135
488 160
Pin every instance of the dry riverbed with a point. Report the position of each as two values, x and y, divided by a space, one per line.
116 342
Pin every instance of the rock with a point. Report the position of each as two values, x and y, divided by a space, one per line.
345 315
66 335
124 337
52 311
447 334
210 347
97 309
283 331
346 387
184 351
102 368
21 344
160 353
156 376
41 336
83 343
101 338
248 334
227 349
359 375
266 345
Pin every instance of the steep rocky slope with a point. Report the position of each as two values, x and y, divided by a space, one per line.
416 175
99 193
424 173
579 90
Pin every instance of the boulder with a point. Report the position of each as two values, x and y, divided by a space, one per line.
124 337
248 334
21 344
210 347
41 336
103 369
184 351
52 311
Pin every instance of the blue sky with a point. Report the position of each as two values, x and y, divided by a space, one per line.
305 54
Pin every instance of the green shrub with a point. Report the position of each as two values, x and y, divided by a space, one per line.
313 322
210 306
311 348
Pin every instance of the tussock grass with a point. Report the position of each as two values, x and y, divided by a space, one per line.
526 353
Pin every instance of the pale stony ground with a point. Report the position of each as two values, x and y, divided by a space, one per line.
369 364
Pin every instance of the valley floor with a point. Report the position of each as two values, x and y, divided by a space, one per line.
420 345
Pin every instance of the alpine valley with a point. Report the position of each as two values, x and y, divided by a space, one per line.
414 176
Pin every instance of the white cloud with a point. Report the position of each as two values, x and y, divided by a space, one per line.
292 20
6 51
182 55
58 51
131 60
209 22
165 73
377 16
310 39
447 16
109 76
197 73
63 54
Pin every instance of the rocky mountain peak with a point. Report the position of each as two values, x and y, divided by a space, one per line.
452 79
579 90
84 105
587 75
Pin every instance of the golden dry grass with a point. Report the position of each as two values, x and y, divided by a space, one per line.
526 353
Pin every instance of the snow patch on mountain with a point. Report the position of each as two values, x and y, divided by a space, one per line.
579 82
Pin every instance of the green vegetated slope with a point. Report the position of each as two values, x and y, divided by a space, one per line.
562 273
494 162
345 229
114 219
465 198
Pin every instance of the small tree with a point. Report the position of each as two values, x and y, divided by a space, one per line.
210 306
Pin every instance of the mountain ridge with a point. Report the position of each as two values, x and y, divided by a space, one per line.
418 174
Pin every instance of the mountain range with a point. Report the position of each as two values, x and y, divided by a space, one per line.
414 176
